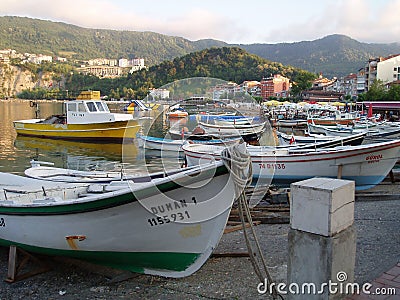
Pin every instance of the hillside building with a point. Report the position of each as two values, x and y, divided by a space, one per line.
158 94
276 86
389 69
360 81
386 69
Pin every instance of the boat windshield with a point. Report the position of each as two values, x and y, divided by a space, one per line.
100 106
91 106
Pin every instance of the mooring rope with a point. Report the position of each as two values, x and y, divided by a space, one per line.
238 161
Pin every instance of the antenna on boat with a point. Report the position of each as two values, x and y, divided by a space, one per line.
36 106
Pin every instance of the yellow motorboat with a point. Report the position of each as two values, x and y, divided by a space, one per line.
86 118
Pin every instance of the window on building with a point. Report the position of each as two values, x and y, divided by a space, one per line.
395 69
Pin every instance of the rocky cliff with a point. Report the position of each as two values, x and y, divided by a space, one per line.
14 79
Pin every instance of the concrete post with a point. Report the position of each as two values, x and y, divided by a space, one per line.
322 239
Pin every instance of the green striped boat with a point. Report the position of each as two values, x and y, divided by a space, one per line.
163 225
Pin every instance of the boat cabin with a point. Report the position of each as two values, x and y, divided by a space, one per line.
89 108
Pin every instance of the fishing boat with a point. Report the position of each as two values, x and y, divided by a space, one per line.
207 116
294 123
196 134
327 141
38 171
86 119
330 117
366 164
165 144
166 225
176 111
333 130
248 132
233 120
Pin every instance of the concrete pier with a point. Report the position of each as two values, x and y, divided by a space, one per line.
322 239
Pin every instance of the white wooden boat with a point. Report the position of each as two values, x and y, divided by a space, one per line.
233 120
333 130
291 123
332 117
164 144
187 135
247 131
165 226
379 131
86 118
367 164
63 175
327 141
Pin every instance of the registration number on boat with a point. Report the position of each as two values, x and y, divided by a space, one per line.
161 220
2 222
272 166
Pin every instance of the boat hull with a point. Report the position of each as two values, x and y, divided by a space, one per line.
367 165
163 229
117 130
247 132
161 144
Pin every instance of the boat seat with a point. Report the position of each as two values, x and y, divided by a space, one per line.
45 200
6 202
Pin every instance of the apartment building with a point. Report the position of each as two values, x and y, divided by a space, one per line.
276 86
385 69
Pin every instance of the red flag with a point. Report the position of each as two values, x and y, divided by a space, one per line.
369 111
292 140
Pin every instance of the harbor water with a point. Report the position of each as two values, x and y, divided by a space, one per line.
17 151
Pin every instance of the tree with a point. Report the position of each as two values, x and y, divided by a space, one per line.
376 91
301 82
394 93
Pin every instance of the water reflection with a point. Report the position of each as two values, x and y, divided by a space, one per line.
17 151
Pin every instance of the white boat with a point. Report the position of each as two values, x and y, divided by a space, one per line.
290 123
333 130
200 135
164 144
379 131
165 226
68 175
247 131
367 164
233 120
328 141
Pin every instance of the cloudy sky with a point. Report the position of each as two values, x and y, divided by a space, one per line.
232 21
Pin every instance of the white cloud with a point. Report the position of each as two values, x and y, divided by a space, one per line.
358 19
364 20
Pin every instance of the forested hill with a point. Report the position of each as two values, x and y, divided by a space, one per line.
60 39
333 55
226 63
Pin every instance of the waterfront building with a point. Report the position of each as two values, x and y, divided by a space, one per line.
386 69
276 86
